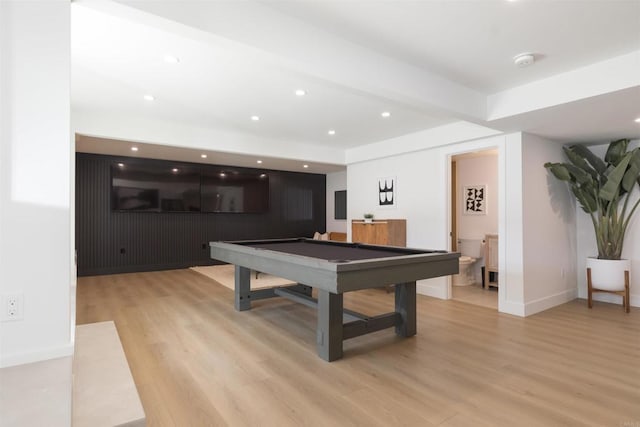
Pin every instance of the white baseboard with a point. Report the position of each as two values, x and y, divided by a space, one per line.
509 307
15 359
542 304
431 289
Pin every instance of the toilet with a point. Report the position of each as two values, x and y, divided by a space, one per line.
471 252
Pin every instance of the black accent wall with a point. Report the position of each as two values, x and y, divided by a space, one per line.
117 242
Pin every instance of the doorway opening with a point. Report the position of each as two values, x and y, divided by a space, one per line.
474 226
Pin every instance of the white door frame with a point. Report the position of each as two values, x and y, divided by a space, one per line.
492 143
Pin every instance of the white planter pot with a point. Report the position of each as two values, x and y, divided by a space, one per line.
368 220
608 274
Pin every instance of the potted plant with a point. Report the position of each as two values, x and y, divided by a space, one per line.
603 188
368 218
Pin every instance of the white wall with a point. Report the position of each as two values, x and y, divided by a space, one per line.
336 181
536 216
420 196
36 179
586 247
423 199
418 200
35 203
549 216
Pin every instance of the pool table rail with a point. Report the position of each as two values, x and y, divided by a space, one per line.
339 276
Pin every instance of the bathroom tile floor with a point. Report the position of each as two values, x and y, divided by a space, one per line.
475 295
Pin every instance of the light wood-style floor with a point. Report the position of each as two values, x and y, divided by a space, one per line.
197 362
476 295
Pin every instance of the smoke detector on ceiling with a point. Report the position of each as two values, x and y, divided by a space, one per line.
524 60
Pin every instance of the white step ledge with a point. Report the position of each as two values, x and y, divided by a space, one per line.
104 393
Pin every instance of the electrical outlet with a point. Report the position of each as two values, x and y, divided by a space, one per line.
11 307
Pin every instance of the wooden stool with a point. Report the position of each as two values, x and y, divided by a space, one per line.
624 293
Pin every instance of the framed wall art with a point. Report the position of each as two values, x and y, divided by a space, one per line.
387 191
475 199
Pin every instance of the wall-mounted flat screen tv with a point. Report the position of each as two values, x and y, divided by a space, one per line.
235 191
151 187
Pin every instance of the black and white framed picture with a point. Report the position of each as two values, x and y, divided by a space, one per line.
475 199
387 191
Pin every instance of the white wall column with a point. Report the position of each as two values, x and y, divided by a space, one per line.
511 228
36 220
549 213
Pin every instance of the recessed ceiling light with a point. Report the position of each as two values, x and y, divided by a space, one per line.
524 59
305 166
263 175
134 148
174 170
385 114
259 162
255 118
171 59
331 132
149 97
300 92
121 165
222 174
637 120
204 156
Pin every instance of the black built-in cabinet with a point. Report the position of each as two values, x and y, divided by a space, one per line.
109 241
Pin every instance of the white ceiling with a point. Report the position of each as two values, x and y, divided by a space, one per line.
472 42
429 63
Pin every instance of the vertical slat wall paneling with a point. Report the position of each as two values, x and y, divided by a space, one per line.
110 241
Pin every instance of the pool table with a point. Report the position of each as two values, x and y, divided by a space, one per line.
333 268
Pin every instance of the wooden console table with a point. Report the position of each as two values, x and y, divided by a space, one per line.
391 232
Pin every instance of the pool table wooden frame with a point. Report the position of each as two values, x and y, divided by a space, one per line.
332 278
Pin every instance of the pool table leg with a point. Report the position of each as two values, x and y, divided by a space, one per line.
242 288
329 332
406 306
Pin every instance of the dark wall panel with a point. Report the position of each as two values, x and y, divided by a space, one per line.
114 242
340 204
